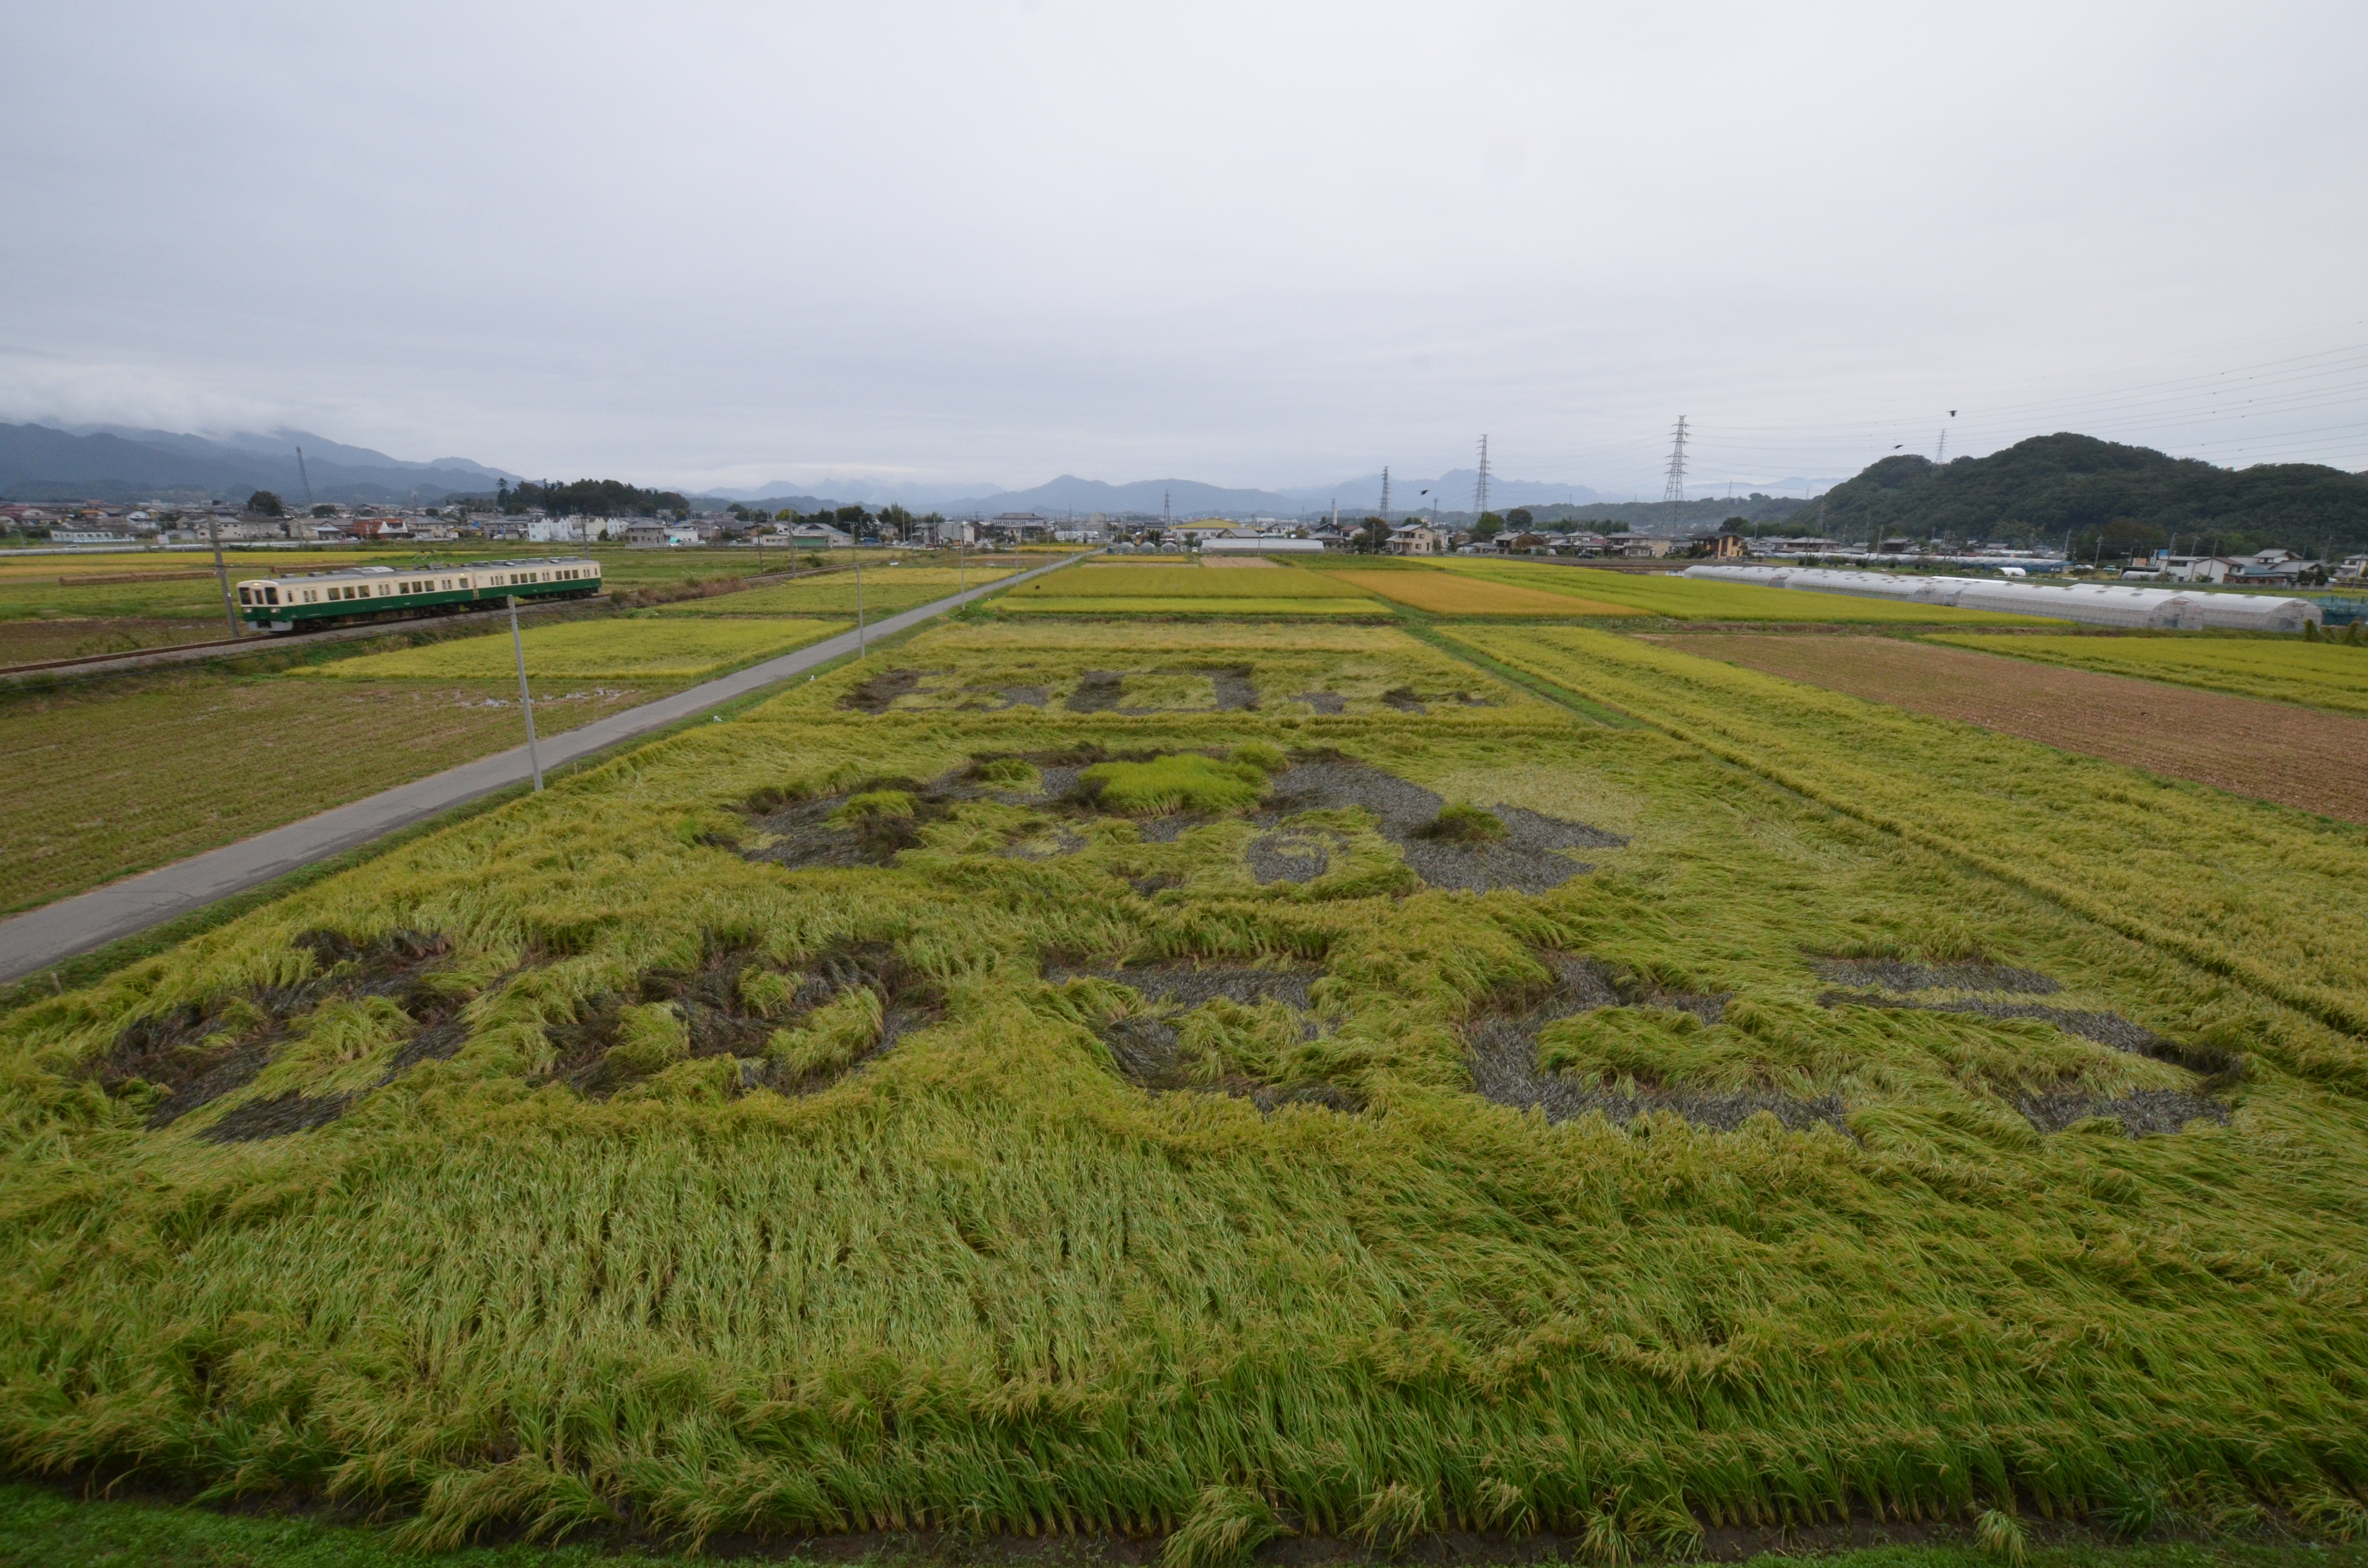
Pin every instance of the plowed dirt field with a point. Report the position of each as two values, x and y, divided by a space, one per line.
2269 750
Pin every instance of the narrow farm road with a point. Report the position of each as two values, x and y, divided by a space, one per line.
39 937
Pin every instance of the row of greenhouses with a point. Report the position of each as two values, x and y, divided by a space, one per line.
2099 604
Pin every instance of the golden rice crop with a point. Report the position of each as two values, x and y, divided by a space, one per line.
1096 581
2271 907
1445 595
644 646
885 591
986 1283
1210 604
2284 669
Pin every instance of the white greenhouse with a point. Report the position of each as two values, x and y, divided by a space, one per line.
2100 604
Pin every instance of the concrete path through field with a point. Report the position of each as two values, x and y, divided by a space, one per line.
34 940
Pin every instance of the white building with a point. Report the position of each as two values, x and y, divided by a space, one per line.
1261 544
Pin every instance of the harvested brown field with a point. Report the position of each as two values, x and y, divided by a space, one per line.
2269 751
112 779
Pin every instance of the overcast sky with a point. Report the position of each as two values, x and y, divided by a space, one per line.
1261 244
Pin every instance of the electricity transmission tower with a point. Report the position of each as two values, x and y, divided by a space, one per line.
305 474
1676 489
1480 487
1385 492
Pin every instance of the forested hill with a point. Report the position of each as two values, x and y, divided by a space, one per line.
2051 486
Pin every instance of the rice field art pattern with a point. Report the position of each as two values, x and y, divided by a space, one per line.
1025 1118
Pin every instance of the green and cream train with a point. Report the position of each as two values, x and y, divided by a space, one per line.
375 593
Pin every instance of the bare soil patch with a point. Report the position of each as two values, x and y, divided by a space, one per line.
2269 751
720 1022
1103 691
1530 858
198 1055
2141 1112
1148 1048
1503 1045
1892 974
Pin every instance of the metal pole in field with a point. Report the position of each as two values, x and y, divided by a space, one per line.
859 608
222 572
961 567
526 701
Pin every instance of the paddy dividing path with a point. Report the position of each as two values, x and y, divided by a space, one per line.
33 941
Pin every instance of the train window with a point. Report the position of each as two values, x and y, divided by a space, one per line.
270 594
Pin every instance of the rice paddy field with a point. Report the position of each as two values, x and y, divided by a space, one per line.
885 591
647 645
110 781
1449 594
1201 1081
1231 587
2269 750
2283 669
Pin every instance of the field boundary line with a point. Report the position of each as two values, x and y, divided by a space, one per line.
1454 648
2330 1011
42 938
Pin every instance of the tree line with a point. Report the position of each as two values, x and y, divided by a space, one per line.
2104 500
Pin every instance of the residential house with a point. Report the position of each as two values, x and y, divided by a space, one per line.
1416 539
2284 571
2197 568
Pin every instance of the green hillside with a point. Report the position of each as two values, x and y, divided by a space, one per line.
2051 488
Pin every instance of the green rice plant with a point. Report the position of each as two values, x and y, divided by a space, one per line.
1011 772
1227 1525
829 1038
1393 1515
1463 825
2326 675
1185 782
2001 1536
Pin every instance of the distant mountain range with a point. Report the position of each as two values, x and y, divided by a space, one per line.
121 462
117 462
